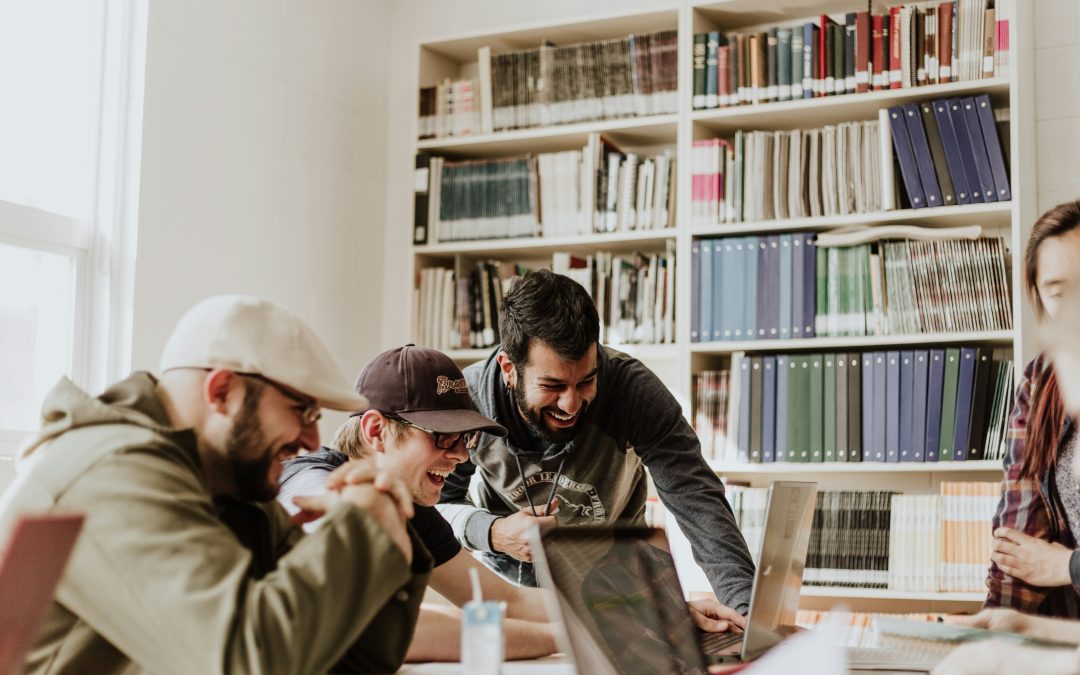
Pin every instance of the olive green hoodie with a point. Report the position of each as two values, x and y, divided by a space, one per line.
166 579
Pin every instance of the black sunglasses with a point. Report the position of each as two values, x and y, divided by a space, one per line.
443 441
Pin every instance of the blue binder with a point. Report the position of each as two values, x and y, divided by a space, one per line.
695 290
964 383
784 310
772 293
934 382
797 278
880 395
892 406
761 319
723 288
907 400
905 155
731 324
978 148
924 161
868 406
967 155
952 152
705 300
918 409
993 147
752 297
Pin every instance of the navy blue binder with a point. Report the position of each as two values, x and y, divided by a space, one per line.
934 381
918 406
892 406
907 399
967 155
768 409
964 383
924 161
905 155
756 398
978 149
952 152
993 147
781 442
981 401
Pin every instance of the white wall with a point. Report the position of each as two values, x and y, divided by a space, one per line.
263 165
1057 100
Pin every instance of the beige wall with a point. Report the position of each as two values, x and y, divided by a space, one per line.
263 166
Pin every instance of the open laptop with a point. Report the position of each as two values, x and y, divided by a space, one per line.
622 606
31 565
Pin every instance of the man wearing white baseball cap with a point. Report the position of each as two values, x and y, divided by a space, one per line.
186 564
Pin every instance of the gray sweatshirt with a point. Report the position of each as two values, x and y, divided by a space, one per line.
634 421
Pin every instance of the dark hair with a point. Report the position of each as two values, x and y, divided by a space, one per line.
1046 415
551 308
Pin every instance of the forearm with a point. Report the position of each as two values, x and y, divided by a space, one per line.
1047 628
527 604
438 637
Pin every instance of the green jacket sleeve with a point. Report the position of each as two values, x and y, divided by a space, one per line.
160 577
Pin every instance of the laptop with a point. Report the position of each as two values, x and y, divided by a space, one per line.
31 565
624 611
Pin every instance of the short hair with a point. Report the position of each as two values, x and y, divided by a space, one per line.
349 437
551 308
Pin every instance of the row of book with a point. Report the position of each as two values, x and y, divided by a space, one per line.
575 192
548 85
949 152
783 286
924 405
773 175
911 45
878 539
634 296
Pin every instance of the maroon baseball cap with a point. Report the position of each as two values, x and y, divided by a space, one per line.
425 387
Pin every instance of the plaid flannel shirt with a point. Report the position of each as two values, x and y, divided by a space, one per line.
1032 507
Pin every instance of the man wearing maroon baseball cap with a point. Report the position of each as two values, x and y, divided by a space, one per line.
420 425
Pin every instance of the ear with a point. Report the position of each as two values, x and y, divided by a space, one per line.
509 370
373 430
216 388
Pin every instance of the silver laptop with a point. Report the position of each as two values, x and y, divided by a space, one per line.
622 606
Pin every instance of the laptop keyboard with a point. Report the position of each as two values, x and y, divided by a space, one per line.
714 643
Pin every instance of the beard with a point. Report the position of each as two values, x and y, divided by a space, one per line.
251 474
534 417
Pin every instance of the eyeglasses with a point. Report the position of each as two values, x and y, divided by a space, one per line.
443 441
309 411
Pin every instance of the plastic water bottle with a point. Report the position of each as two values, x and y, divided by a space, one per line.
481 633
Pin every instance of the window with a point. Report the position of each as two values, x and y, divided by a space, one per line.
71 72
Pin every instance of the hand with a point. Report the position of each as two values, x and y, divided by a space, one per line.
1038 562
997 618
357 471
712 617
995 656
510 535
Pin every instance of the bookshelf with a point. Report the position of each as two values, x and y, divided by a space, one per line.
677 362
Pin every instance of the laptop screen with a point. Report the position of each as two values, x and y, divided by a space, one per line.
621 587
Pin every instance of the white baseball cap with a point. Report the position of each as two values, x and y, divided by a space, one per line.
250 335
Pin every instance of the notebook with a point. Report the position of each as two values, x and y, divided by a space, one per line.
31 565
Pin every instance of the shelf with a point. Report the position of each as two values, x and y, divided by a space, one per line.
626 131
888 594
1004 337
737 15
614 241
741 468
991 216
644 352
816 112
